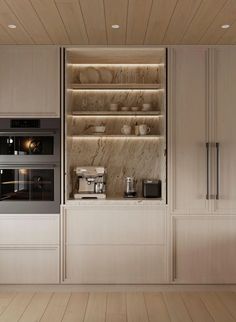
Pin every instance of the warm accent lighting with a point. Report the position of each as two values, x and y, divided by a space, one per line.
226 26
115 65
114 90
12 26
115 116
115 26
115 137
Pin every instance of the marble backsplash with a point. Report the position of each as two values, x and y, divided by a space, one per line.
93 100
142 158
118 74
84 125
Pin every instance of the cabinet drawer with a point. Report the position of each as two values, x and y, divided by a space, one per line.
119 225
32 265
29 229
115 264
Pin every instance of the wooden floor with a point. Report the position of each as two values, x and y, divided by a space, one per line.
118 307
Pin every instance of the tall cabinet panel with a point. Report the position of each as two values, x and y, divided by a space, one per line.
225 129
188 130
30 81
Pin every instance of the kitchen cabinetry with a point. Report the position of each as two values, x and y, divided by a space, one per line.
114 244
29 249
204 249
224 128
188 130
202 130
30 81
202 156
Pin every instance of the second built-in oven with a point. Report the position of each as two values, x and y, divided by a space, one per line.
30 166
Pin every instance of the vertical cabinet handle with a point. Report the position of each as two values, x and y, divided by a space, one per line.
217 170
207 182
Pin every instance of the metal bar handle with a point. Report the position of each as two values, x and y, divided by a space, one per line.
217 170
207 157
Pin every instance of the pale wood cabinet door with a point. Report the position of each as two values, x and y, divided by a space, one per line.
204 249
29 81
225 129
188 111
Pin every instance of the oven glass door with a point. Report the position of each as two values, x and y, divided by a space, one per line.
26 184
32 188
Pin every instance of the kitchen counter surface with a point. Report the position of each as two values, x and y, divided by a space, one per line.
119 202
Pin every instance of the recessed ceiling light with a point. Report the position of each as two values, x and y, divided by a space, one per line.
12 26
115 26
225 26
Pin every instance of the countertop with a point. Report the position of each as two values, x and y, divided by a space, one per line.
120 202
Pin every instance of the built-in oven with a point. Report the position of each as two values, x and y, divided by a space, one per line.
30 166
29 140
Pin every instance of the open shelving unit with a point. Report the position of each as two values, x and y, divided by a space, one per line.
127 77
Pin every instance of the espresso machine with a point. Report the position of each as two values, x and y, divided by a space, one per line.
90 183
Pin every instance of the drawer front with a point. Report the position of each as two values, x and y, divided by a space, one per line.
120 225
115 264
29 229
29 265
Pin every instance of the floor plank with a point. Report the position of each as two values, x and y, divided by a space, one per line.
36 308
196 308
5 299
216 308
96 308
229 301
56 307
16 308
76 308
116 307
176 307
136 308
157 310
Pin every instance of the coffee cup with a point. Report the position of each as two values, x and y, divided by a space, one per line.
144 129
113 107
146 107
126 129
99 129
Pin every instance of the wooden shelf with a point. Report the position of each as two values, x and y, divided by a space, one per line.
116 136
116 113
116 86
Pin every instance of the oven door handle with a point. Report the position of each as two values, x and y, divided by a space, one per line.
27 165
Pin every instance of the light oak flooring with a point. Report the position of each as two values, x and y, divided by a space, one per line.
118 307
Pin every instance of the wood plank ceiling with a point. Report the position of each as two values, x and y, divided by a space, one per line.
142 22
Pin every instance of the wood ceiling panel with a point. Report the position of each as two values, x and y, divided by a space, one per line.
5 38
180 20
161 13
29 19
227 15
138 16
50 17
94 18
229 37
73 20
7 17
202 20
116 14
